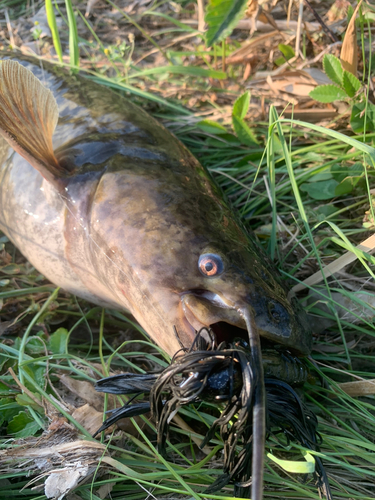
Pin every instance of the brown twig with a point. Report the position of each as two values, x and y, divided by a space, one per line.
325 28
201 22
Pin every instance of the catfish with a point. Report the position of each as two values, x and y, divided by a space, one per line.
110 206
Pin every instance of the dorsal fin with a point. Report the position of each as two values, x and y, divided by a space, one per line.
28 118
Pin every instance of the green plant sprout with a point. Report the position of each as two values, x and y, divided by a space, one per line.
346 87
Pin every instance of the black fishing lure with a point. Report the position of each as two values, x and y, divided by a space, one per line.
222 374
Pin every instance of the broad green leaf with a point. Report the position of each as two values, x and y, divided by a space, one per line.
345 187
212 127
22 425
37 373
321 176
222 17
295 467
287 51
327 210
11 269
328 93
360 115
279 61
36 344
370 16
25 400
5 389
351 83
58 341
243 132
332 68
339 172
241 106
322 190
356 169
8 409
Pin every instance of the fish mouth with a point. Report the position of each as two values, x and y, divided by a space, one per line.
203 309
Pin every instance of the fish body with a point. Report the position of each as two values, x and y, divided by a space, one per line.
120 213
109 205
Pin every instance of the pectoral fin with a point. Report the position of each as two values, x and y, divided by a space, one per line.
28 118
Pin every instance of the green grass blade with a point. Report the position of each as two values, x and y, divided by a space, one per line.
51 18
181 70
73 36
350 141
272 177
134 90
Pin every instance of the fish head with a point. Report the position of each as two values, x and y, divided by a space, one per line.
231 281
183 269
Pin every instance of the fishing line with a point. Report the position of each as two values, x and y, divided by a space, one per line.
259 415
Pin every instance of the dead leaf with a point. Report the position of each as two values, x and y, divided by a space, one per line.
317 75
90 5
89 418
90 415
61 481
353 307
265 17
252 8
359 388
311 115
247 72
85 391
296 83
367 245
337 11
70 450
349 50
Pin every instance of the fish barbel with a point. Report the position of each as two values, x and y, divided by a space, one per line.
109 205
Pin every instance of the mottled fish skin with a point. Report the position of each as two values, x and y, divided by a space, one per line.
137 212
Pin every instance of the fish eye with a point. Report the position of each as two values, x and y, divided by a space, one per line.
210 264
